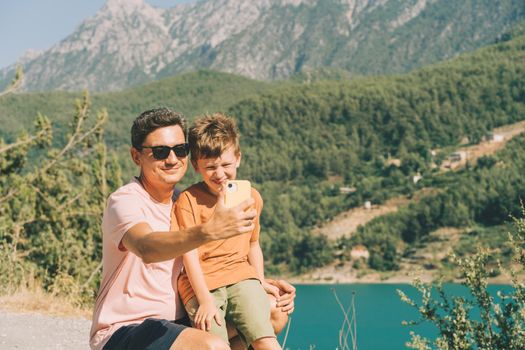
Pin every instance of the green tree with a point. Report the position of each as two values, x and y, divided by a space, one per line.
50 206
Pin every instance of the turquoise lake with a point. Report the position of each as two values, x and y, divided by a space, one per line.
317 318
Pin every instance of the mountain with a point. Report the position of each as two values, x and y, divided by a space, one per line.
302 141
130 42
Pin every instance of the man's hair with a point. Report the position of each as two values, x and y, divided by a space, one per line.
211 135
153 119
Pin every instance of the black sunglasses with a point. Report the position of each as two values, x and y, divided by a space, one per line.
163 152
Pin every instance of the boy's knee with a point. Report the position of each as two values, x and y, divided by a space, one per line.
278 319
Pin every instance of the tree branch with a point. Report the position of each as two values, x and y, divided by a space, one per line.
75 138
21 142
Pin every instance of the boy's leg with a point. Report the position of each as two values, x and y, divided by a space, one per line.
278 318
249 310
221 302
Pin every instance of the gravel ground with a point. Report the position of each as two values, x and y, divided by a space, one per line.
36 331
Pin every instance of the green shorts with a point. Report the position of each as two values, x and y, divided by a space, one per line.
245 305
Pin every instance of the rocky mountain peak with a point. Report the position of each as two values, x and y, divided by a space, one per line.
124 3
124 6
130 42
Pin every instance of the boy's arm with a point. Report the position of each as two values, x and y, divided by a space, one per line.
255 257
207 309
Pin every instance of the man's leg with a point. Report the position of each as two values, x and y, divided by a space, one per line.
157 334
191 338
278 318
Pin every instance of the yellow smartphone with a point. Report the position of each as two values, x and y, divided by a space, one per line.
237 191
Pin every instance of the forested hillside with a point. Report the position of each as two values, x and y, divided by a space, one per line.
479 198
191 94
301 142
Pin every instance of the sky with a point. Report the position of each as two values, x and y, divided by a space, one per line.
39 24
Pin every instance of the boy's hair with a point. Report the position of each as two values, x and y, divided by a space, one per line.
211 135
153 119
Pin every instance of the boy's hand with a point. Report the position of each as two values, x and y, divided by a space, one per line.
206 313
228 222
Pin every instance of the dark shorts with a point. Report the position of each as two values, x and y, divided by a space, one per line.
151 334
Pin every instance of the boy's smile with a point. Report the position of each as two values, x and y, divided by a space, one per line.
216 171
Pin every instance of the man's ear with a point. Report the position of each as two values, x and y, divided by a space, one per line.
135 155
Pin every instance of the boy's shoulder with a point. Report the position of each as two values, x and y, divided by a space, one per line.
258 199
196 193
256 195
200 194
195 189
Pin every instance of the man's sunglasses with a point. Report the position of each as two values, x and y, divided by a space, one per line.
163 152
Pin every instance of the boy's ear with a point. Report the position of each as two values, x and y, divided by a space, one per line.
238 162
135 155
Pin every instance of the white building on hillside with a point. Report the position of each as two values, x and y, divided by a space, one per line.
359 251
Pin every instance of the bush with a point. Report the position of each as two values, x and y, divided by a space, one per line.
499 324
50 207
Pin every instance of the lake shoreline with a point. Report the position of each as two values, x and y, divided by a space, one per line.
347 275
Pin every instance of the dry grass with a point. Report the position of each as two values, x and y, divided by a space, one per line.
35 300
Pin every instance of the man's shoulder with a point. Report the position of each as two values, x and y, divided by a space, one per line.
130 189
123 207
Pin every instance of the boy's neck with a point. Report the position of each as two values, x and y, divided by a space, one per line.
210 190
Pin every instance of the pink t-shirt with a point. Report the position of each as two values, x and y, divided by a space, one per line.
131 290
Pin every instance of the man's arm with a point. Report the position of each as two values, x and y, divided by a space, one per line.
287 295
153 246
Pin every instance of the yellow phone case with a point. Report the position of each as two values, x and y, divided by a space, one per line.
237 191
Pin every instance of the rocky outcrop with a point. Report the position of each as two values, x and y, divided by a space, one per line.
130 42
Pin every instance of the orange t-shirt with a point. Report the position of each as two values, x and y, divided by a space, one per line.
223 262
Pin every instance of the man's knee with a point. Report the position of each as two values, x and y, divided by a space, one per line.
196 339
277 317
215 343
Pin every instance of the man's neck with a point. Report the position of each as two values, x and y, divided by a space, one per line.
162 194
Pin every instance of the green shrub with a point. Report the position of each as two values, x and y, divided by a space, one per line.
496 324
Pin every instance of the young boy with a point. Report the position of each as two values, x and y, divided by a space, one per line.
223 280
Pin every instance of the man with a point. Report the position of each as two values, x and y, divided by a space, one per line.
138 301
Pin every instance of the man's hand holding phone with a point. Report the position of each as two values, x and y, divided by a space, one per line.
231 221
